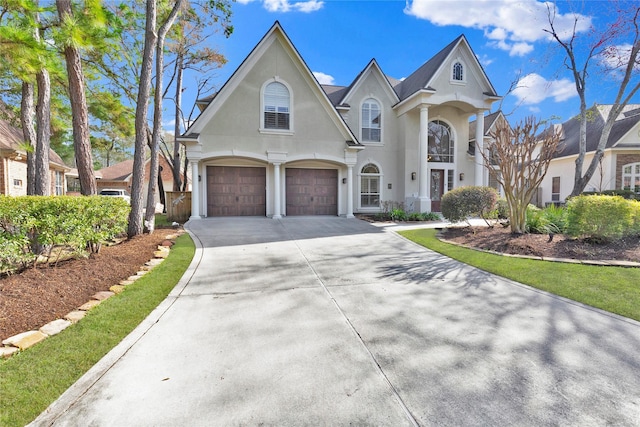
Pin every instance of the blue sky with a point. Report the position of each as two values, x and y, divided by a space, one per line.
337 38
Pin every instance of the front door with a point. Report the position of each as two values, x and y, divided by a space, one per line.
437 188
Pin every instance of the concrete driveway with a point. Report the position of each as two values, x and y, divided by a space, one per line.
328 321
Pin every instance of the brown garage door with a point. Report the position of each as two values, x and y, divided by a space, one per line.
236 191
312 191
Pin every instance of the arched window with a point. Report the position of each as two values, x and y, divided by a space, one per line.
631 177
276 104
458 72
371 121
441 144
370 186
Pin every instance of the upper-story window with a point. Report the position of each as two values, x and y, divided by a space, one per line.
441 144
458 72
276 107
371 118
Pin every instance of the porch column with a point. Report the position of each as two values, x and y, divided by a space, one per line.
195 189
276 194
350 191
423 158
479 160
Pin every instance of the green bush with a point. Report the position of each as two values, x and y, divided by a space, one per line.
464 202
424 216
502 208
601 218
627 194
398 214
31 226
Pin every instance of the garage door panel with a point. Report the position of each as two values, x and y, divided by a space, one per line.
236 191
312 191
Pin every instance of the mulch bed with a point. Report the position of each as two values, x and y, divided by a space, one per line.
500 239
37 296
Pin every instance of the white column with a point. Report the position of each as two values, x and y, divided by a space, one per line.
423 167
195 190
276 195
479 160
350 191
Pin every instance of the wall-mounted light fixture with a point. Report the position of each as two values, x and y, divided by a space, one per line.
389 186
461 176
413 176
199 178
344 180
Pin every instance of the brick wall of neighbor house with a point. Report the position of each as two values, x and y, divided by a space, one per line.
3 169
621 160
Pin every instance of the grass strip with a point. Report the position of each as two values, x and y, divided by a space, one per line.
613 289
31 380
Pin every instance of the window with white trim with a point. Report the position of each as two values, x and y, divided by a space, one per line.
458 72
371 118
370 186
276 106
441 144
59 183
631 177
555 189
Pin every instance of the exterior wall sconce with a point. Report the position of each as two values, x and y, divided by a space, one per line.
461 176
413 176
199 178
344 180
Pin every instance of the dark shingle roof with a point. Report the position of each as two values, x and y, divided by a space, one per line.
419 78
570 144
489 119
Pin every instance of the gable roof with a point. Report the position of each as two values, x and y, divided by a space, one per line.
570 144
372 66
489 120
11 139
277 32
118 172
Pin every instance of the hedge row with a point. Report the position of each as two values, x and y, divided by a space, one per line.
32 226
603 218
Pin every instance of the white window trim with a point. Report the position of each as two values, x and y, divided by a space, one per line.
372 143
264 130
380 183
631 175
464 72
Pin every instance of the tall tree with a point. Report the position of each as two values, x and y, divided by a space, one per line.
79 109
137 180
617 47
157 114
518 159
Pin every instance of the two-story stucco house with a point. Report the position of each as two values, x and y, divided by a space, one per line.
275 142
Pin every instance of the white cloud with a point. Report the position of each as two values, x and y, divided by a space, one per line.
324 79
305 6
616 57
510 25
533 89
485 60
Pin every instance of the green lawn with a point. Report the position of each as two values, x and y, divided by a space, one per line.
614 289
31 380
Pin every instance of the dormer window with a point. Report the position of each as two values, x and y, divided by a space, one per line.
458 72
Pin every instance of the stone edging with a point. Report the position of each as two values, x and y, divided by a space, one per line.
24 340
604 263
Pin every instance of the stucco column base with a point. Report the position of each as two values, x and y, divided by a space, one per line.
423 204
194 217
276 216
350 216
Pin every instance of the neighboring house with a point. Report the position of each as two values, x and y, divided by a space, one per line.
491 122
119 176
619 167
13 164
275 142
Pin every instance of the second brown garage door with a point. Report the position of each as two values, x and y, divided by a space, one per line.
236 191
312 191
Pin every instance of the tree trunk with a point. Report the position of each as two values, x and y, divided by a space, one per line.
27 113
135 227
42 182
176 145
79 111
157 117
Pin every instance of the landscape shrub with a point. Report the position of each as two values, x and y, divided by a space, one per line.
423 216
552 219
627 194
398 214
601 218
462 203
31 226
502 208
